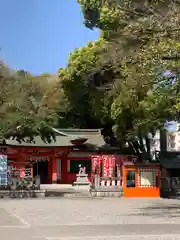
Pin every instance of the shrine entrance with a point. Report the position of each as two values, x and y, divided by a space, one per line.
130 182
41 169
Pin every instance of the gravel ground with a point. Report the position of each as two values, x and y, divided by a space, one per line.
89 219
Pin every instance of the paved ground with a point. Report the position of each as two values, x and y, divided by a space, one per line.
89 219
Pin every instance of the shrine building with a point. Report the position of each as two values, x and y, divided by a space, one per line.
56 162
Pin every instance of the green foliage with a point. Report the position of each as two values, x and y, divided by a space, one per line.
85 101
138 35
23 111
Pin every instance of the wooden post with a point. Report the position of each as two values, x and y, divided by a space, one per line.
97 181
118 174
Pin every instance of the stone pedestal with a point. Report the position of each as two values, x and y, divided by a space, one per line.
82 183
81 179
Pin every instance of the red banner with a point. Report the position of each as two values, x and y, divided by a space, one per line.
96 162
108 165
112 161
105 166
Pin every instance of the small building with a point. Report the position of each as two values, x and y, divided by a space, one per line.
170 174
169 158
141 180
125 176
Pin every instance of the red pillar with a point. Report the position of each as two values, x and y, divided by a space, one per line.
54 170
50 171
64 177
64 166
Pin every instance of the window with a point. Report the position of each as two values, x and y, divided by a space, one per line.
131 179
74 165
147 177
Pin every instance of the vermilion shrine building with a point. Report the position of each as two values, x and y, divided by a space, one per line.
58 162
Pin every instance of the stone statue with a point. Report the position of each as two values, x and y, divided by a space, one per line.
82 170
81 177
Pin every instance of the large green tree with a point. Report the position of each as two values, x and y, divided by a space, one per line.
24 110
127 71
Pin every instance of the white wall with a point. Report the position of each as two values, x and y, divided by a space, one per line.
173 141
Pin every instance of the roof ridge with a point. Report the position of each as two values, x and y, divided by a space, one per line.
78 130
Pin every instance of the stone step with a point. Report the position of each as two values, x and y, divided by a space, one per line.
107 194
66 194
57 193
22 194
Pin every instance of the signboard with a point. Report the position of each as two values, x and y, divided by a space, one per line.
3 170
37 158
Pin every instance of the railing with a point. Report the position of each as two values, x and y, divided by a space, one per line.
110 182
106 182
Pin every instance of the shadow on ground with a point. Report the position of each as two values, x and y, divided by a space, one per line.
168 210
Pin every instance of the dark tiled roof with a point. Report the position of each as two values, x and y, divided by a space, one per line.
64 138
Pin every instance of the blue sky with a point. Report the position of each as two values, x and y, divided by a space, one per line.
37 35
